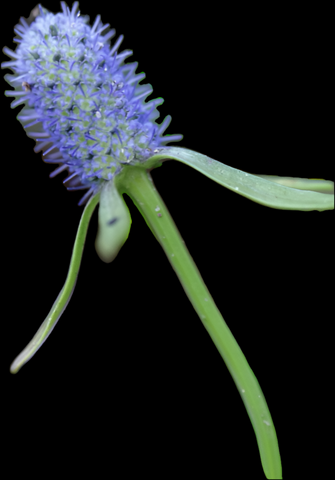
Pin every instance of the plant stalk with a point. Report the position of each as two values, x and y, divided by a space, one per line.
138 185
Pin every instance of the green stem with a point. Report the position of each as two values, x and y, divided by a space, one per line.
138 185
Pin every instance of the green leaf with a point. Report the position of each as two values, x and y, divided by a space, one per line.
313 184
264 189
65 294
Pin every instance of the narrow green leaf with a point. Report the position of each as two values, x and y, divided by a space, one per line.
259 189
313 184
65 294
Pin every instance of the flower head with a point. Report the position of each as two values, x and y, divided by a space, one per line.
84 106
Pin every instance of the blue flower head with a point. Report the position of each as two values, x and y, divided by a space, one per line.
84 106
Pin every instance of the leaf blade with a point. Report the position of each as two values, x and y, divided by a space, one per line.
65 294
260 190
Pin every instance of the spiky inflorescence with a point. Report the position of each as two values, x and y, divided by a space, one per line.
84 106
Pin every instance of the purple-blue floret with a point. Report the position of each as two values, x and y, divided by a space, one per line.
83 105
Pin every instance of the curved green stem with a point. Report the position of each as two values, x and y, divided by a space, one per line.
65 294
138 185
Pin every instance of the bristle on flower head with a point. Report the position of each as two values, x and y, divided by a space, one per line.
83 105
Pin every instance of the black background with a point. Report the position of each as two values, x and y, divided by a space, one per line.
129 375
